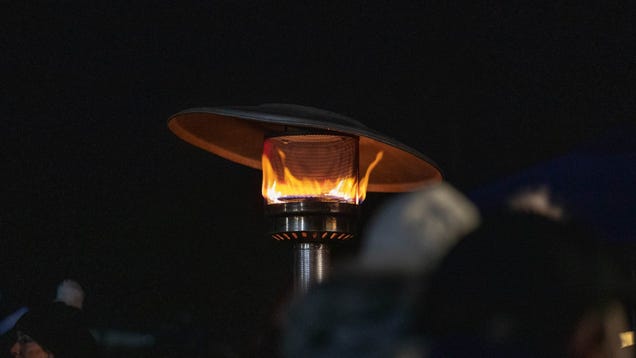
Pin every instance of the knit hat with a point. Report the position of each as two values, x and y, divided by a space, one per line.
414 230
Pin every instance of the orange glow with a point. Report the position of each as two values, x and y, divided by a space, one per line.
627 339
292 187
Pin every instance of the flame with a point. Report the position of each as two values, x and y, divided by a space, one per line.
348 189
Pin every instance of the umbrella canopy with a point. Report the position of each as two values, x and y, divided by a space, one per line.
594 183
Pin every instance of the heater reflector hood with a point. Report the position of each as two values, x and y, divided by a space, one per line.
237 134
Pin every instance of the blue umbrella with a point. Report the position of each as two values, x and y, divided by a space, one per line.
595 183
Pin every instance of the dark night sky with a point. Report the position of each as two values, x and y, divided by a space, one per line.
96 187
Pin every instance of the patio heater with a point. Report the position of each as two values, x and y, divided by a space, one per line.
317 167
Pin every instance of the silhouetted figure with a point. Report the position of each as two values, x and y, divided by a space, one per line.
367 307
526 285
56 329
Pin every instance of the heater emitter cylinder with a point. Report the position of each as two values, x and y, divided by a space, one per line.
305 166
311 186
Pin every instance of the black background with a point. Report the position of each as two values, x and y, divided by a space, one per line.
163 234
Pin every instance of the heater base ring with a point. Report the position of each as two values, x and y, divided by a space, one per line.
312 220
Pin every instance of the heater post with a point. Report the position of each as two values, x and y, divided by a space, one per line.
311 265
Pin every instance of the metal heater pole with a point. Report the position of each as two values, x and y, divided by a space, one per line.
311 265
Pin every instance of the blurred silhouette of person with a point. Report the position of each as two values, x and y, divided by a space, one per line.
366 308
436 279
56 329
526 284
